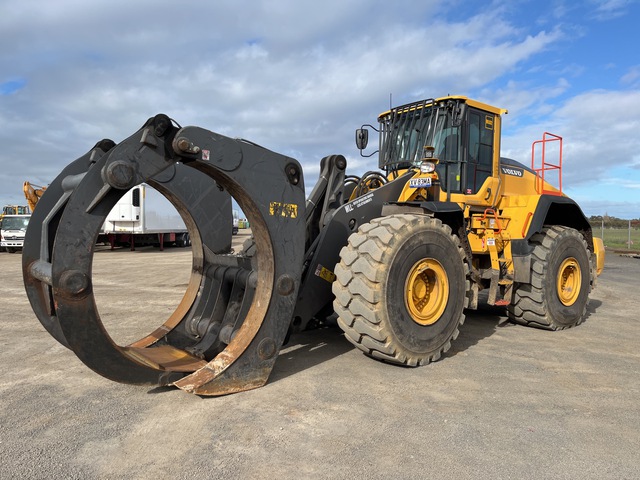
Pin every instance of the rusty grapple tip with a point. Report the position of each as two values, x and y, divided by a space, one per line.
227 331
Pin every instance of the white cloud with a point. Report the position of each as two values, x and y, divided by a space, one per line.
632 77
610 9
599 130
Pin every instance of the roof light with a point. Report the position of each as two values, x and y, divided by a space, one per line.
428 152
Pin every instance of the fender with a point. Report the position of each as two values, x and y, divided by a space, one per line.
554 210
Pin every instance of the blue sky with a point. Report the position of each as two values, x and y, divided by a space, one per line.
298 77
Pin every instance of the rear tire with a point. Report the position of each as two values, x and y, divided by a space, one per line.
401 288
561 278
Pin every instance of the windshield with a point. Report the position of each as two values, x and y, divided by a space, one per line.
15 223
15 210
406 130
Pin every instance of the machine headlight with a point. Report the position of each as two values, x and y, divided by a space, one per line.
427 167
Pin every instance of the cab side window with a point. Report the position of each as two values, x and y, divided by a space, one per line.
448 150
480 150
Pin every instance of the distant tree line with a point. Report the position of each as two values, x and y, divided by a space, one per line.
612 222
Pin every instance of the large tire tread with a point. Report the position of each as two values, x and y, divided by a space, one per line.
530 306
358 288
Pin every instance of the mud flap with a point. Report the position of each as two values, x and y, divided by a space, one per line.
60 242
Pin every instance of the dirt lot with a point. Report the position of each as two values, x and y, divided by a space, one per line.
506 402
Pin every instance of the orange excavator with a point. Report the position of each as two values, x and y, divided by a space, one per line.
32 193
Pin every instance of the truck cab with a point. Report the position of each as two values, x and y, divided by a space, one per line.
12 232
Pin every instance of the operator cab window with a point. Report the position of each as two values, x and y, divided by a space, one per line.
447 144
480 150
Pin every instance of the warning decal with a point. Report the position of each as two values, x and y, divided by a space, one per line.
288 210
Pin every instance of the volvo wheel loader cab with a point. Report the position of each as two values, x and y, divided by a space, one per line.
466 220
398 253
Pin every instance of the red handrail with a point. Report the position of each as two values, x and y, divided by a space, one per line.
547 166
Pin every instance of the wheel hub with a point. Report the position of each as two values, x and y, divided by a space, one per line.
569 281
426 291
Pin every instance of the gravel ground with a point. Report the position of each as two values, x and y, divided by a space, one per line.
506 402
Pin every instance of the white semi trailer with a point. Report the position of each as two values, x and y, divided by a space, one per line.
143 216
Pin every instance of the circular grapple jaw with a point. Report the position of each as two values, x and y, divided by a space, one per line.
182 184
226 333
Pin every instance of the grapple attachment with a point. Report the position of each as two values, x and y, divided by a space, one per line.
227 331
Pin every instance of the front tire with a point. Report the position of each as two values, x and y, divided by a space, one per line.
561 277
401 288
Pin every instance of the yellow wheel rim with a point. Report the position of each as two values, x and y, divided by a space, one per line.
569 281
426 291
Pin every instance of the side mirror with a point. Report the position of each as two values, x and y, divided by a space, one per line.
362 138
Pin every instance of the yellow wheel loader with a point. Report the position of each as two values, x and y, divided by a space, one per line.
398 253
15 210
